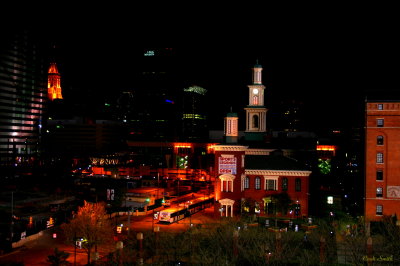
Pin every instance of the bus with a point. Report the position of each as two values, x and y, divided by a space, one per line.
172 215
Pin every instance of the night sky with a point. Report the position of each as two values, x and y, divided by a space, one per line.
329 63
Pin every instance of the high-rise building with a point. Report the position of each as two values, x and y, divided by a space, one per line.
382 156
153 96
194 117
22 96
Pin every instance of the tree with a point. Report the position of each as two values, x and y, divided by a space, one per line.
282 201
59 258
90 224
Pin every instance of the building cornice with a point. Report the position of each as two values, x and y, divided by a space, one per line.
278 172
230 148
259 151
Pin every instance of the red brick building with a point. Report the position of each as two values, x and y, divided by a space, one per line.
253 178
382 157
257 180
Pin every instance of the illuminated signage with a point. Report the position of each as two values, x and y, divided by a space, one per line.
110 194
227 165
326 148
149 53
330 200
393 191
196 89
50 222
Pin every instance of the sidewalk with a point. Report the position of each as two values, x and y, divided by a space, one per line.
36 252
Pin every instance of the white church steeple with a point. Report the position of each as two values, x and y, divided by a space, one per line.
256 111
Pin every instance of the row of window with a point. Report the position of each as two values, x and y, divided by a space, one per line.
379 159
270 184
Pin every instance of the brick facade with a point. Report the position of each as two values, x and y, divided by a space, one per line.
382 157
235 183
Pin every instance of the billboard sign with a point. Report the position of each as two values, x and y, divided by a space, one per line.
227 165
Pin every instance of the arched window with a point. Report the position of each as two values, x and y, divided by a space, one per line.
255 100
246 182
257 183
255 121
298 184
227 182
379 140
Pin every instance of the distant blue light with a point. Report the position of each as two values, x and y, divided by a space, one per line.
169 101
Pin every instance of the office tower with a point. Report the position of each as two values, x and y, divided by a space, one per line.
194 117
22 96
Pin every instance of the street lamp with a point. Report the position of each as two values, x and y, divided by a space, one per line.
76 241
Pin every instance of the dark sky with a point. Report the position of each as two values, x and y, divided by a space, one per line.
329 62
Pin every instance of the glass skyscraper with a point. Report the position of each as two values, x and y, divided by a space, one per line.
23 92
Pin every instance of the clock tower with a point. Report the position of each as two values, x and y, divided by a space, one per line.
256 111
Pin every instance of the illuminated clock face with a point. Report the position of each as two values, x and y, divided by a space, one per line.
255 91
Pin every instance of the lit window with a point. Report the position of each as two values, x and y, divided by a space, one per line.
379 175
257 208
379 192
380 106
379 157
258 183
255 100
246 182
379 140
379 122
379 209
270 184
227 183
330 200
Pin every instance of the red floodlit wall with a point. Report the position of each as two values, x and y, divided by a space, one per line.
382 159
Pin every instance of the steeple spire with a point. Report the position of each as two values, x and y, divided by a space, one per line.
53 83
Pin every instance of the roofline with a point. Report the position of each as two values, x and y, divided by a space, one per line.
278 172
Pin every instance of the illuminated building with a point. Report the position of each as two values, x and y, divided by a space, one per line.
22 97
152 99
256 111
382 156
251 178
258 175
194 117
54 83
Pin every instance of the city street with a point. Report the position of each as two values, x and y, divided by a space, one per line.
36 252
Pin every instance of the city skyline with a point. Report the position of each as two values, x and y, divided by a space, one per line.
321 83
326 65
